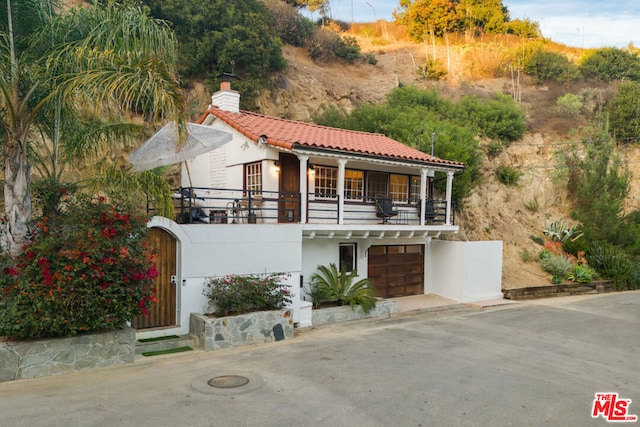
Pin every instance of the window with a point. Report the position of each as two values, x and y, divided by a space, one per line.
253 177
326 182
348 252
399 188
377 185
353 183
415 189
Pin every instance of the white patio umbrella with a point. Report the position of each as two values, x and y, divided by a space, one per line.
162 148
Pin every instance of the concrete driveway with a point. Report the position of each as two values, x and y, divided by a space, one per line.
534 363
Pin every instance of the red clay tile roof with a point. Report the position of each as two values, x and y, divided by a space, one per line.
290 134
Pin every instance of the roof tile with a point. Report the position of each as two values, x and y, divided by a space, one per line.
289 134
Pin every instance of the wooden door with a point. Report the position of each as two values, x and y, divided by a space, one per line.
289 200
163 312
396 270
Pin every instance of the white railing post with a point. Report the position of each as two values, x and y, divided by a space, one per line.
423 195
449 191
340 190
303 188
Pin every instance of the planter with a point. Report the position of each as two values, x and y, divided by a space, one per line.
213 333
562 290
52 356
383 308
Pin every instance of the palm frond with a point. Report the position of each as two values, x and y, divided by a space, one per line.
134 187
338 285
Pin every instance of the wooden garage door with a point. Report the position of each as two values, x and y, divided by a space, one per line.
397 270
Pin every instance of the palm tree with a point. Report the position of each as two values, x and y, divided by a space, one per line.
332 285
99 61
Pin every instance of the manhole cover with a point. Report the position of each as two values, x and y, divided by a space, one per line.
228 381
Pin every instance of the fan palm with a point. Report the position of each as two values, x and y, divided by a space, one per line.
339 286
91 62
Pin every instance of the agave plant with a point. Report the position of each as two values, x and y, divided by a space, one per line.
561 231
341 287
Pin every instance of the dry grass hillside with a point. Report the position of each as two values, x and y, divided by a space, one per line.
494 211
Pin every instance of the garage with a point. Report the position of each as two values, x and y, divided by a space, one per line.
396 270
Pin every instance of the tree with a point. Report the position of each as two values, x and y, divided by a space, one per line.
224 36
598 184
624 113
427 17
99 61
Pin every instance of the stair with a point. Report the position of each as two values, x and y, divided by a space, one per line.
164 343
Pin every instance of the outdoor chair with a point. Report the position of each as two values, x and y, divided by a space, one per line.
430 213
385 210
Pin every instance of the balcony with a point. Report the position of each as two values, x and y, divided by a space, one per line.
198 205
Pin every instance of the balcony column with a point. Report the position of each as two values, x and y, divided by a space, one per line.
449 187
340 190
423 194
304 192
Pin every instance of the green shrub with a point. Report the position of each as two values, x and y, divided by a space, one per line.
500 118
87 270
569 105
609 64
339 287
347 48
508 175
526 255
581 274
432 69
292 27
576 247
532 206
634 276
624 114
557 265
544 254
539 240
610 262
494 149
545 66
234 294
370 58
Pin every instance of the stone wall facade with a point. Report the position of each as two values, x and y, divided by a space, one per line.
43 357
213 333
383 308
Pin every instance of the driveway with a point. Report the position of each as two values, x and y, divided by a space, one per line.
533 363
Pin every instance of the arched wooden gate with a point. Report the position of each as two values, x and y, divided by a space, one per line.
163 312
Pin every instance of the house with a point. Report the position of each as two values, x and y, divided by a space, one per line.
275 195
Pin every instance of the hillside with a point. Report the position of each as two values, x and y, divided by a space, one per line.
494 211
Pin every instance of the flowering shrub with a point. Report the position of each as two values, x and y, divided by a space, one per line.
85 270
233 294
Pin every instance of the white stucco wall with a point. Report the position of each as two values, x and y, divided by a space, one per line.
207 250
223 167
317 252
464 271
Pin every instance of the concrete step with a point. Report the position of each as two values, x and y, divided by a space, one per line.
164 344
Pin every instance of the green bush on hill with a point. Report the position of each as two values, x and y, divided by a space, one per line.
609 64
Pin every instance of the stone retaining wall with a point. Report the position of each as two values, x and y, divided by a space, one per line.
213 333
43 357
562 290
383 308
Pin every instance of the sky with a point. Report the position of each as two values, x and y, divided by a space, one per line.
578 23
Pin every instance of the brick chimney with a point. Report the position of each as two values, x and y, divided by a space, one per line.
226 99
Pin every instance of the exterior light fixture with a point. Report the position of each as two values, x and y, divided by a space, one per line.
276 165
